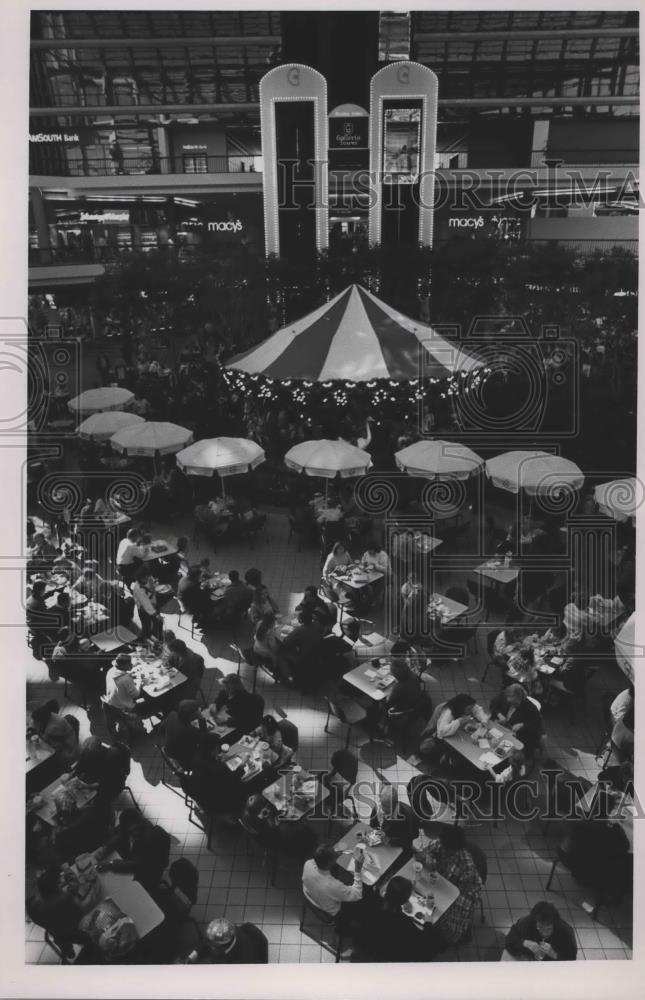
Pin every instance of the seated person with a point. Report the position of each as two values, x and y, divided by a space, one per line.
338 556
514 708
184 741
105 766
622 703
447 719
79 830
237 597
384 932
323 889
543 934
266 643
243 708
598 851
303 647
91 585
192 596
214 787
144 849
395 819
122 691
261 604
622 736
42 623
189 663
295 839
455 863
375 558
269 731
53 908
56 730
228 944
321 612
406 694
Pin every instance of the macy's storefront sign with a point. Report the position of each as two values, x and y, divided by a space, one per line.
230 226
466 222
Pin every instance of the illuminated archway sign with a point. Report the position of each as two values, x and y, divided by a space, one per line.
403 132
290 83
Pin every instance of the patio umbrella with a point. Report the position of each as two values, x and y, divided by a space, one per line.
101 426
625 646
151 438
224 455
438 460
328 459
110 397
619 499
534 471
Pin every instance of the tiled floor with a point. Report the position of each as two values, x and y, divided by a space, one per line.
233 881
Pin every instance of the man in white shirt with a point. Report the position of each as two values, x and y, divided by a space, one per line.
323 889
126 554
146 602
121 689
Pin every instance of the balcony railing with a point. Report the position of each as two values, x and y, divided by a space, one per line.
139 165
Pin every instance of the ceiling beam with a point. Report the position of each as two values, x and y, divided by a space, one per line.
523 34
152 42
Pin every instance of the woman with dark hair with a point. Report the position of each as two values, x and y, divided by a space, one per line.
265 641
294 839
338 556
456 864
385 934
269 731
542 935
261 604
447 719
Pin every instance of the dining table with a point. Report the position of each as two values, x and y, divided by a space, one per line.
248 753
356 577
484 744
128 894
498 571
373 678
379 857
425 543
37 752
431 896
154 678
113 639
296 793
158 549
372 645
444 609
43 803
76 600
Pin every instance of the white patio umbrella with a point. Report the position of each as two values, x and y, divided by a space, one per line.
438 460
328 459
625 646
619 499
225 456
533 471
101 426
110 397
151 438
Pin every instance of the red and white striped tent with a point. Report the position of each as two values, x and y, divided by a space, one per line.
357 338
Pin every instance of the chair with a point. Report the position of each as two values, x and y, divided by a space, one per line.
252 660
327 920
346 711
481 864
260 941
562 793
270 857
193 623
289 733
564 858
182 885
490 649
118 724
169 763
345 764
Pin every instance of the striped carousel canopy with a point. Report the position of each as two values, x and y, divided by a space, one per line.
354 337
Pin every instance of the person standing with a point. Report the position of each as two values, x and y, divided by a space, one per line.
146 602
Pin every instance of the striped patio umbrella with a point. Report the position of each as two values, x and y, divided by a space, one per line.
438 460
358 338
151 438
101 426
110 397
